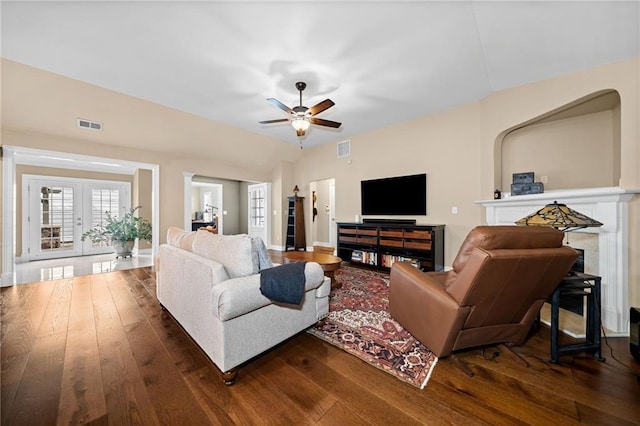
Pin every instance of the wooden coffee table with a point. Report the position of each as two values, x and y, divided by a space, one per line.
329 262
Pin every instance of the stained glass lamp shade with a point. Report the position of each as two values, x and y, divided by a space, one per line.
558 216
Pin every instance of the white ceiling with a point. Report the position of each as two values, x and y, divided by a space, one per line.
380 62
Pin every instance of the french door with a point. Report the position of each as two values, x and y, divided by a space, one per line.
59 210
258 214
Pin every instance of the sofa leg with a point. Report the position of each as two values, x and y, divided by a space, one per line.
229 377
321 322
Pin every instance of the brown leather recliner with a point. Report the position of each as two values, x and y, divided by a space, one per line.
500 278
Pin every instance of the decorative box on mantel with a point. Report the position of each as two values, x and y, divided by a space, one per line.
607 205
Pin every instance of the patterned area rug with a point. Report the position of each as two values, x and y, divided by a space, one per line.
359 323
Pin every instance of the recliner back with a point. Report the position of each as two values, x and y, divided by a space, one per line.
502 284
506 237
505 274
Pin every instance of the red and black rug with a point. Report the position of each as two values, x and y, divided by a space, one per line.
359 323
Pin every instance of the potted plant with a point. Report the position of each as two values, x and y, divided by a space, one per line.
120 232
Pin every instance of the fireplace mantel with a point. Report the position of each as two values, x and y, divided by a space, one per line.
607 205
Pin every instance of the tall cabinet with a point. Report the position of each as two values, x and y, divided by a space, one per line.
296 239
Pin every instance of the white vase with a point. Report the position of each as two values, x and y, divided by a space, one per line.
123 248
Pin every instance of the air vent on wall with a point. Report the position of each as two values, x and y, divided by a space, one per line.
344 149
88 124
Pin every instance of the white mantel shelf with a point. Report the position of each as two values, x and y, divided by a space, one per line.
566 196
608 205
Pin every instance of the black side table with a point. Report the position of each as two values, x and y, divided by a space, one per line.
582 285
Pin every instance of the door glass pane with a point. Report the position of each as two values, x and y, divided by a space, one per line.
257 207
103 201
56 218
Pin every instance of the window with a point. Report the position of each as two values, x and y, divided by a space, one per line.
257 208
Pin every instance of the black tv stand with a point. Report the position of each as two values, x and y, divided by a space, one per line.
391 221
380 244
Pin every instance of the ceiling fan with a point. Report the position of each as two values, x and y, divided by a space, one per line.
302 117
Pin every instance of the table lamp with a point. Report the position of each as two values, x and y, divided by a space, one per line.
561 217
558 216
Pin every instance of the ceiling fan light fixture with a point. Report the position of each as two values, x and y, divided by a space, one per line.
301 117
300 123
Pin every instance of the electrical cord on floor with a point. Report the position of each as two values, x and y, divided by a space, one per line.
628 369
606 342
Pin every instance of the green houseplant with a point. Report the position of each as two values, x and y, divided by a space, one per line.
120 232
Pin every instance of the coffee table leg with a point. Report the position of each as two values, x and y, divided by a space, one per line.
334 283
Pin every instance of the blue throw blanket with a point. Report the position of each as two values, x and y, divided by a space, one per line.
284 283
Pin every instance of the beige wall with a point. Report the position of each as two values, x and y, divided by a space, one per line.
281 188
575 152
459 149
243 225
461 152
39 110
171 167
142 195
438 145
509 109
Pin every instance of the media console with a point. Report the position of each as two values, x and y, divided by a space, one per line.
381 244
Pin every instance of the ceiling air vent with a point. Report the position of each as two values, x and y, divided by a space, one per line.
88 124
344 149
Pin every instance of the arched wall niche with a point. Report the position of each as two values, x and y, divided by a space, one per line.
574 146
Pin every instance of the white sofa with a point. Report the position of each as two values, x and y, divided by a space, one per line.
211 285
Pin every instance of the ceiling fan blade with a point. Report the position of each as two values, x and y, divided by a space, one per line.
280 105
279 120
318 108
327 123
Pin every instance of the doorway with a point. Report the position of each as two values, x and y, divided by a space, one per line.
57 211
207 207
323 216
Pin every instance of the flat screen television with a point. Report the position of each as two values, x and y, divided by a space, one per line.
394 196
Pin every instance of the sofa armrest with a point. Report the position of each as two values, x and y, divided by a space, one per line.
179 270
238 296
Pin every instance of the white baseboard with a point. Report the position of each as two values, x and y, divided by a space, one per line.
321 243
145 252
8 279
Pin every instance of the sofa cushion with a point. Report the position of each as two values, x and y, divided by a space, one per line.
233 251
180 238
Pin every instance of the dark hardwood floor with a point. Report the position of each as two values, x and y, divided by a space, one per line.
99 350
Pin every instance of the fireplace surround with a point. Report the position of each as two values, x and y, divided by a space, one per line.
607 205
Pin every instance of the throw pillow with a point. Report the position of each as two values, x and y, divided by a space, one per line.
232 251
180 238
260 256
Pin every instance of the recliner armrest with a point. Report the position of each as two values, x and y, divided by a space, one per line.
420 303
425 283
441 277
